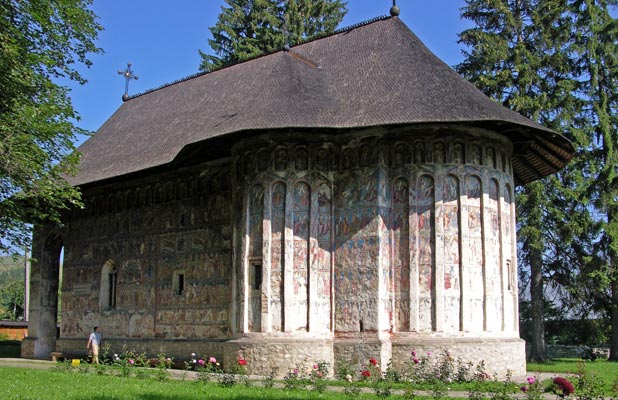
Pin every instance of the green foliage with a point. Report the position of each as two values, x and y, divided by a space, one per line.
580 332
515 56
249 28
11 288
534 390
11 268
318 375
295 379
40 44
556 61
269 379
12 300
588 386
503 390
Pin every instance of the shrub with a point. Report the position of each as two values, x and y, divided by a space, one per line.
318 375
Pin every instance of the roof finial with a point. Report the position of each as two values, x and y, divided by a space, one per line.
394 9
128 75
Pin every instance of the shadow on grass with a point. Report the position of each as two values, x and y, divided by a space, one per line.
10 348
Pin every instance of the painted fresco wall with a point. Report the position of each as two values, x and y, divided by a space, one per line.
420 240
167 247
296 289
356 244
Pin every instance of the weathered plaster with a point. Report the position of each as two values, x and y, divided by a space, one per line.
369 244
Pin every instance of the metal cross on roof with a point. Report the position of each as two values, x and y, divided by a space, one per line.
128 75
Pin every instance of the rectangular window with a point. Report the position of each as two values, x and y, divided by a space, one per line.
257 276
179 283
113 277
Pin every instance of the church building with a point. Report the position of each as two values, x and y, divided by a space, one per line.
348 197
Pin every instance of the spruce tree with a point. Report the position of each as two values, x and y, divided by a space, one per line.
249 28
595 50
515 56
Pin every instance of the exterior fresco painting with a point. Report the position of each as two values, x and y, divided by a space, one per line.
277 256
452 256
401 254
357 249
146 303
337 241
510 277
256 230
424 253
474 287
321 282
493 275
300 274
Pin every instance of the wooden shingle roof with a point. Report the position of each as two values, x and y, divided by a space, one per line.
375 74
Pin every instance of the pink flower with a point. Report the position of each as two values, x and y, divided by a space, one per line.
131 361
319 373
531 380
413 353
429 354
373 361
200 362
212 360
524 389
315 366
416 361
242 361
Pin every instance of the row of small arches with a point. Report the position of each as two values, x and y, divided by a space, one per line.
329 158
148 195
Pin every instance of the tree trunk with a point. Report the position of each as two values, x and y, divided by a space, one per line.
613 345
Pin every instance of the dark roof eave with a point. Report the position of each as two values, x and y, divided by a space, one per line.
526 141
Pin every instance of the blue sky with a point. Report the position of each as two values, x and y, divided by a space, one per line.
161 39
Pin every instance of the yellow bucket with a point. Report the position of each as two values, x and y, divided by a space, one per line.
75 362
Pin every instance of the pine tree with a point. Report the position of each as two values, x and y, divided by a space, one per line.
595 50
516 58
307 18
249 28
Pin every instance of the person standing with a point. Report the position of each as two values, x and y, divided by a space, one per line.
94 342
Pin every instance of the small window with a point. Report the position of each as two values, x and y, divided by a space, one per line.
257 276
112 279
509 272
107 289
179 283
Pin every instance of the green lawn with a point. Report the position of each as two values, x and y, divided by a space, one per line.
606 371
16 383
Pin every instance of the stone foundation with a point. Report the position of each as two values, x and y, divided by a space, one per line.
499 355
279 355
